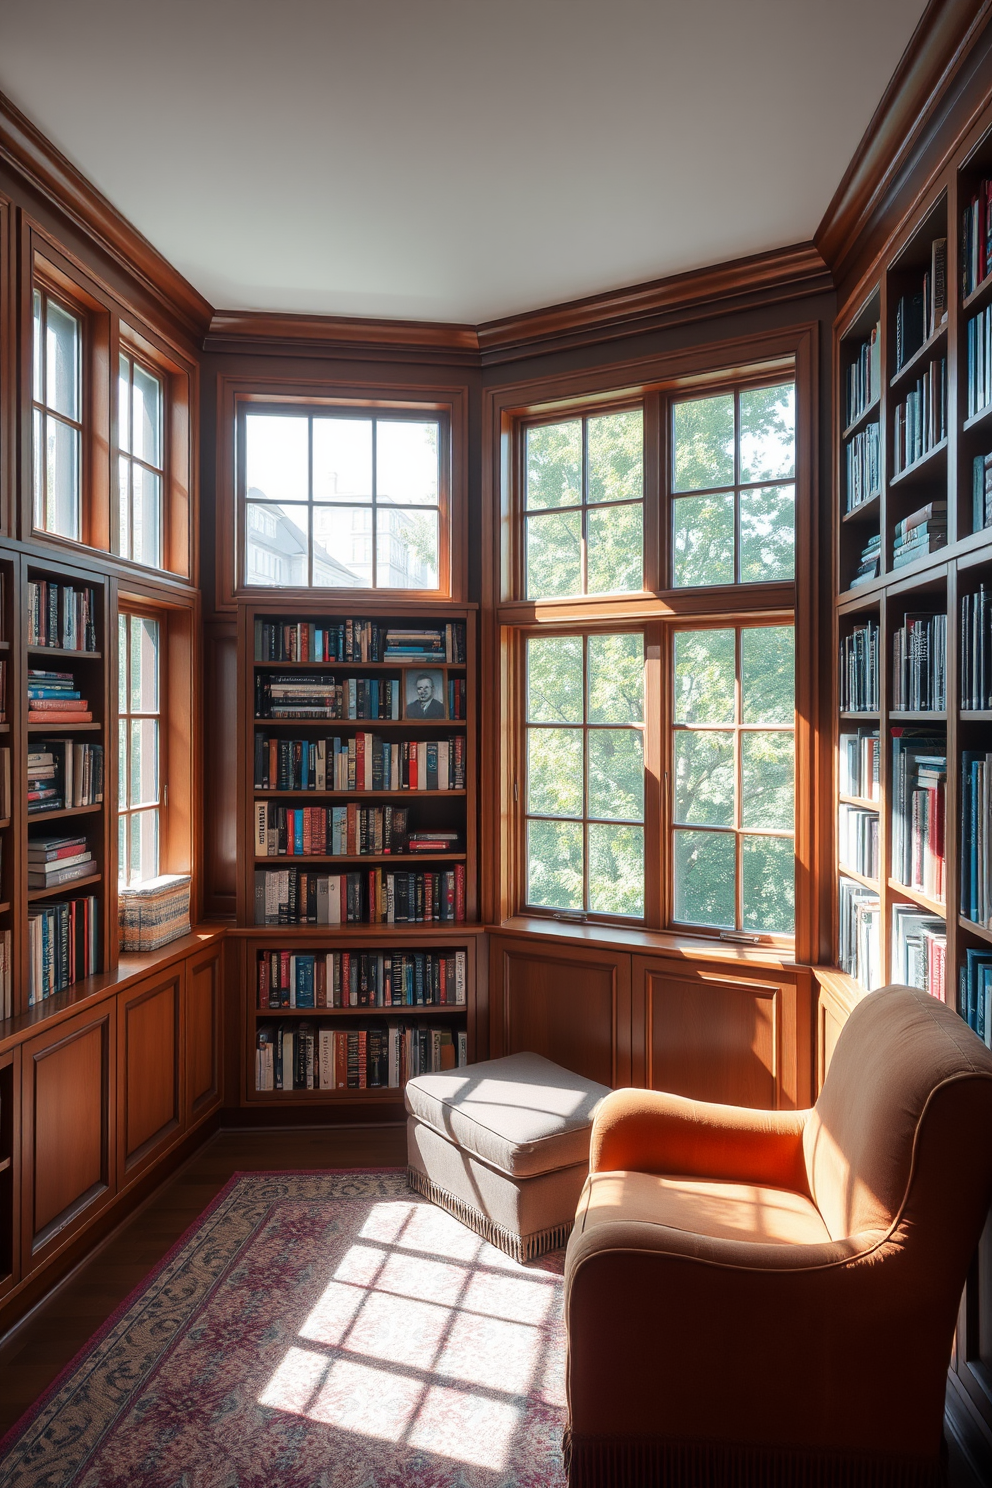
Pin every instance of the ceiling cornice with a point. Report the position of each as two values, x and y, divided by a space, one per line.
46 169
343 337
907 114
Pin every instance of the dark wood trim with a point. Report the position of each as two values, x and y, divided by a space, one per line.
271 334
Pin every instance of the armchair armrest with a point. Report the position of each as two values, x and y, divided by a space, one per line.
649 1131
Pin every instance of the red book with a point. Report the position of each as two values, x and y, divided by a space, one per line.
58 705
320 982
47 716
443 980
360 783
263 982
459 891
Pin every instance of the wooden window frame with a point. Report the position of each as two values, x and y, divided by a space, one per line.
46 411
177 537
131 611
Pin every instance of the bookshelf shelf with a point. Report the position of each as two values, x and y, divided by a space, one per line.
924 715
978 419
978 295
64 811
67 651
362 725
976 715
397 665
863 802
397 1010
919 357
916 896
865 511
4 1164
340 795
983 932
869 717
864 417
922 469
5 907
868 883
63 890
64 728
373 859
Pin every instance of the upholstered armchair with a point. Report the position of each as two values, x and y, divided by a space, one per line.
768 1298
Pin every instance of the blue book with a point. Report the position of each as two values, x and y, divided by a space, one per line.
304 981
297 816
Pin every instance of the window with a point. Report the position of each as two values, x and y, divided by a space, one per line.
139 754
335 500
57 416
583 505
585 773
733 485
140 462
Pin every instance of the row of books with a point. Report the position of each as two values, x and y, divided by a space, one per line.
864 467
5 785
360 979
919 949
53 861
976 649
357 640
859 673
981 492
311 1056
63 773
61 615
341 831
923 532
919 663
976 837
975 992
976 239
864 377
858 840
859 917
870 562
859 764
3 690
363 762
320 697
6 977
294 896
54 698
979 368
919 776
63 945
920 421
919 315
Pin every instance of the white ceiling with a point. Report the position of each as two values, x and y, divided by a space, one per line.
453 159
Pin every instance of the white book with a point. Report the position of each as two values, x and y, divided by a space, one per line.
334 899
322 900
272 897
288 1060
292 981
321 765
261 829
442 764
460 978
326 1059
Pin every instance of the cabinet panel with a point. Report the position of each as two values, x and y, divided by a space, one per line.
571 1006
717 1037
10 1240
149 1075
204 982
68 1110
831 1015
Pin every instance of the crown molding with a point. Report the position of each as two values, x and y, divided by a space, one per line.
915 105
347 337
33 157
720 289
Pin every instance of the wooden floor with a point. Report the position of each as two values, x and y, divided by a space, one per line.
42 1346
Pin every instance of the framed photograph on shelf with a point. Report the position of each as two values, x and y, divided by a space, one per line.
423 694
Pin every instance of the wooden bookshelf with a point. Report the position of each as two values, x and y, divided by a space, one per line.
452 810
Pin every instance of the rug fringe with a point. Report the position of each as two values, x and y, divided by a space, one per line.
519 1247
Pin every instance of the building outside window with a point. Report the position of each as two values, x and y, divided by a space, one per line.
140 764
57 417
140 462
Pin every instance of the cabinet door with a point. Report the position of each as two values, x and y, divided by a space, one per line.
202 1038
149 1072
572 1006
718 1036
68 1112
832 1013
10 1237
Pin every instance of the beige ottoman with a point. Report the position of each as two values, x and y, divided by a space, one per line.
503 1146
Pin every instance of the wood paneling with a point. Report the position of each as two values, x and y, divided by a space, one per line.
204 982
67 1112
149 1073
220 780
832 1011
572 1007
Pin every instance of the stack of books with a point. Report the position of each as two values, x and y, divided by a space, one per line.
343 979
870 561
444 643
979 361
63 945
924 532
921 419
864 376
6 977
976 649
308 1056
919 775
976 837
321 696
859 764
432 842
860 913
919 949
57 860
328 831
919 656
61 616
919 316
976 239
859 676
975 993
44 786
296 896
857 840
54 698
864 478
981 492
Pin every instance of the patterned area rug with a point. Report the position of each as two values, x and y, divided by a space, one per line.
314 1330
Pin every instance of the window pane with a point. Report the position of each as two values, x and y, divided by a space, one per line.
277 464
704 676
146 516
615 456
703 540
144 665
407 547
122 865
554 465
768 534
703 439
342 459
144 761
614 555
616 774
768 433
62 361
554 566
768 674
38 463
62 497
616 870
406 463
342 547
147 416
616 678
768 873
38 379
767 781
124 505
276 546
554 864
144 846
704 778
704 878
124 404
122 736
554 680
122 653
554 772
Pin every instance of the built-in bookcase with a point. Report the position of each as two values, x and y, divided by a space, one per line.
358 773
913 571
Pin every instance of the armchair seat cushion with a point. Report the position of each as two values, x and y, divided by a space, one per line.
747 1212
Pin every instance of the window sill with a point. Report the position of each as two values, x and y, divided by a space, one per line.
678 946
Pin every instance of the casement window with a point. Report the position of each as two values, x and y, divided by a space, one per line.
333 497
140 461
57 416
140 747
653 777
